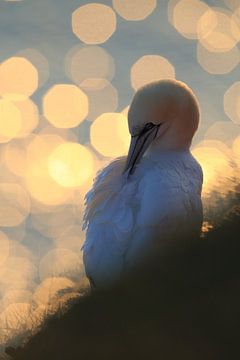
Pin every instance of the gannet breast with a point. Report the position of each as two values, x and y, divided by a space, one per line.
122 216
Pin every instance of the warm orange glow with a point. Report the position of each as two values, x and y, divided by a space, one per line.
47 191
4 248
134 10
49 288
15 316
60 262
109 134
94 23
29 117
10 120
236 152
217 170
16 296
125 111
70 164
85 71
65 106
232 102
18 76
151 68
14 204
37 178
39 61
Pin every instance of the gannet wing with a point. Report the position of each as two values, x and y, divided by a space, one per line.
169 206
108 221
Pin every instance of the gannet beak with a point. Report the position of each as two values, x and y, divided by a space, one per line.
138 146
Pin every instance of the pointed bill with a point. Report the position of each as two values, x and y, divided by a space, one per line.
138 146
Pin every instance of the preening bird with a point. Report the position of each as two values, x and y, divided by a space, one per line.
140 202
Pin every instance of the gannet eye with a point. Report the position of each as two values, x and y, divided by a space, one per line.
142 131
149 126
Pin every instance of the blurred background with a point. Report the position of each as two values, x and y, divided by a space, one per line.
68 72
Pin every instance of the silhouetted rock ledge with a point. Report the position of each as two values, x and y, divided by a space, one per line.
183 305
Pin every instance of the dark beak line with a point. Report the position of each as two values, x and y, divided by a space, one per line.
138 146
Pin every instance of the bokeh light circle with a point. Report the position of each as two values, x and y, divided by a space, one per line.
70 164
110 135
60 262
102 98
134 10
94 23
151 68
232 102
218 62
39 61
14 204
4 248
65 106
216 30
50 287
185 16
18 76
10 120
217 170
81 65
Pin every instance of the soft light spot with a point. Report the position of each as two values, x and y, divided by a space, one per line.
70 164
15 316
185 16
47 191
134 10
4 248
16 296
236 152
216 31
55 221
10 120
109 134
225 131
232 102
18 76
125 111
50 287
151 68
71 238
102 99
217 170
232 4
218 62
83 69
39 61
94 23
65 106
14 204
29 117
60 262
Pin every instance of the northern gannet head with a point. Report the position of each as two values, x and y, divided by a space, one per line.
163 115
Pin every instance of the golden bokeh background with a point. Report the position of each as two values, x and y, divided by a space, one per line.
66 81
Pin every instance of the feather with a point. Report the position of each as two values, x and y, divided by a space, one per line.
122 215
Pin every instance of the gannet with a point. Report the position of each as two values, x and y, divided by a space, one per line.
139 202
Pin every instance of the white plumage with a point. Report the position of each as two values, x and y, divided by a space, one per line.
138 203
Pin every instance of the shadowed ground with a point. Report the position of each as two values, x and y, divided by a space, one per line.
185 304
